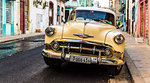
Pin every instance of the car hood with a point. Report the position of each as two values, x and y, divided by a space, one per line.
87 31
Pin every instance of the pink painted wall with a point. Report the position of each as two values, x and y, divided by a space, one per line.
139 19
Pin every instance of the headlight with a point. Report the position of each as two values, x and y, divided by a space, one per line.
49 31
55 46
108 52
119 39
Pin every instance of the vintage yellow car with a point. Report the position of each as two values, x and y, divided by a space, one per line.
89 36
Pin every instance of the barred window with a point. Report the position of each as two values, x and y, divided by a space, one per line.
8 12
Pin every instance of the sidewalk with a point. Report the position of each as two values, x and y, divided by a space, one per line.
137 59
17 37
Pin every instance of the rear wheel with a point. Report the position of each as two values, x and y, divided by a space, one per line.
52 62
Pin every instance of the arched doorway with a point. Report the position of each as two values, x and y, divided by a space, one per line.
51 13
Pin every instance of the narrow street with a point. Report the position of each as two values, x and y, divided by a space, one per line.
73 37
24 64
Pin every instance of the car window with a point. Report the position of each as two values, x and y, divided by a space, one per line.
96 16
72 15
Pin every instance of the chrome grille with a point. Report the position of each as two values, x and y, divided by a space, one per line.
83 48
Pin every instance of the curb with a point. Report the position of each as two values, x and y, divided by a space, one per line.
135 74
19 37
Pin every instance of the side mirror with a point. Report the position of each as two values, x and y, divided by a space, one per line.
63 20
120 26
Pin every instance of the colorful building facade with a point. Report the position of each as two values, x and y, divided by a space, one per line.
123 14
8 17
137 19
131 17
69 5
28 16
60 11
143 20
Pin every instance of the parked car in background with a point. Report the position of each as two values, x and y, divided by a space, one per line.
89 36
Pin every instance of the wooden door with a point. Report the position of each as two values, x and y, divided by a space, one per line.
22 16
142 20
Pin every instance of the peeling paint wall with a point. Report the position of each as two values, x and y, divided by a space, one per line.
17 17
39 17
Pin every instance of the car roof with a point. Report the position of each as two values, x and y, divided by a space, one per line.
96 9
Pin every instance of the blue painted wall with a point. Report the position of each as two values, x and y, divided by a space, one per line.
12 17
4 18
122 15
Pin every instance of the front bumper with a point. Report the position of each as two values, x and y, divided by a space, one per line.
94 59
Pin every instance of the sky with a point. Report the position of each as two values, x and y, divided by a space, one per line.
103 3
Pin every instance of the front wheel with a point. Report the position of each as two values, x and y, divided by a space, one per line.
52 62
118 69
115 70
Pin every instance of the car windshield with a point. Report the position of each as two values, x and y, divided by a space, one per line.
95 16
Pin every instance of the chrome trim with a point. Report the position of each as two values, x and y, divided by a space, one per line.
83 48
63 53
51 54
100 57
68 47
94 49
81 41
95 60
80 48
83 35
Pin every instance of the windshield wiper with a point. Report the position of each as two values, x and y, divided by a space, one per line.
103 21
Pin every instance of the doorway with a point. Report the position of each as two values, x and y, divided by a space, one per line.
66 14
8 18
51 13
147 28
22 16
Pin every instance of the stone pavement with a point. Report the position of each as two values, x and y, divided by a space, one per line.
137 59
17 37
